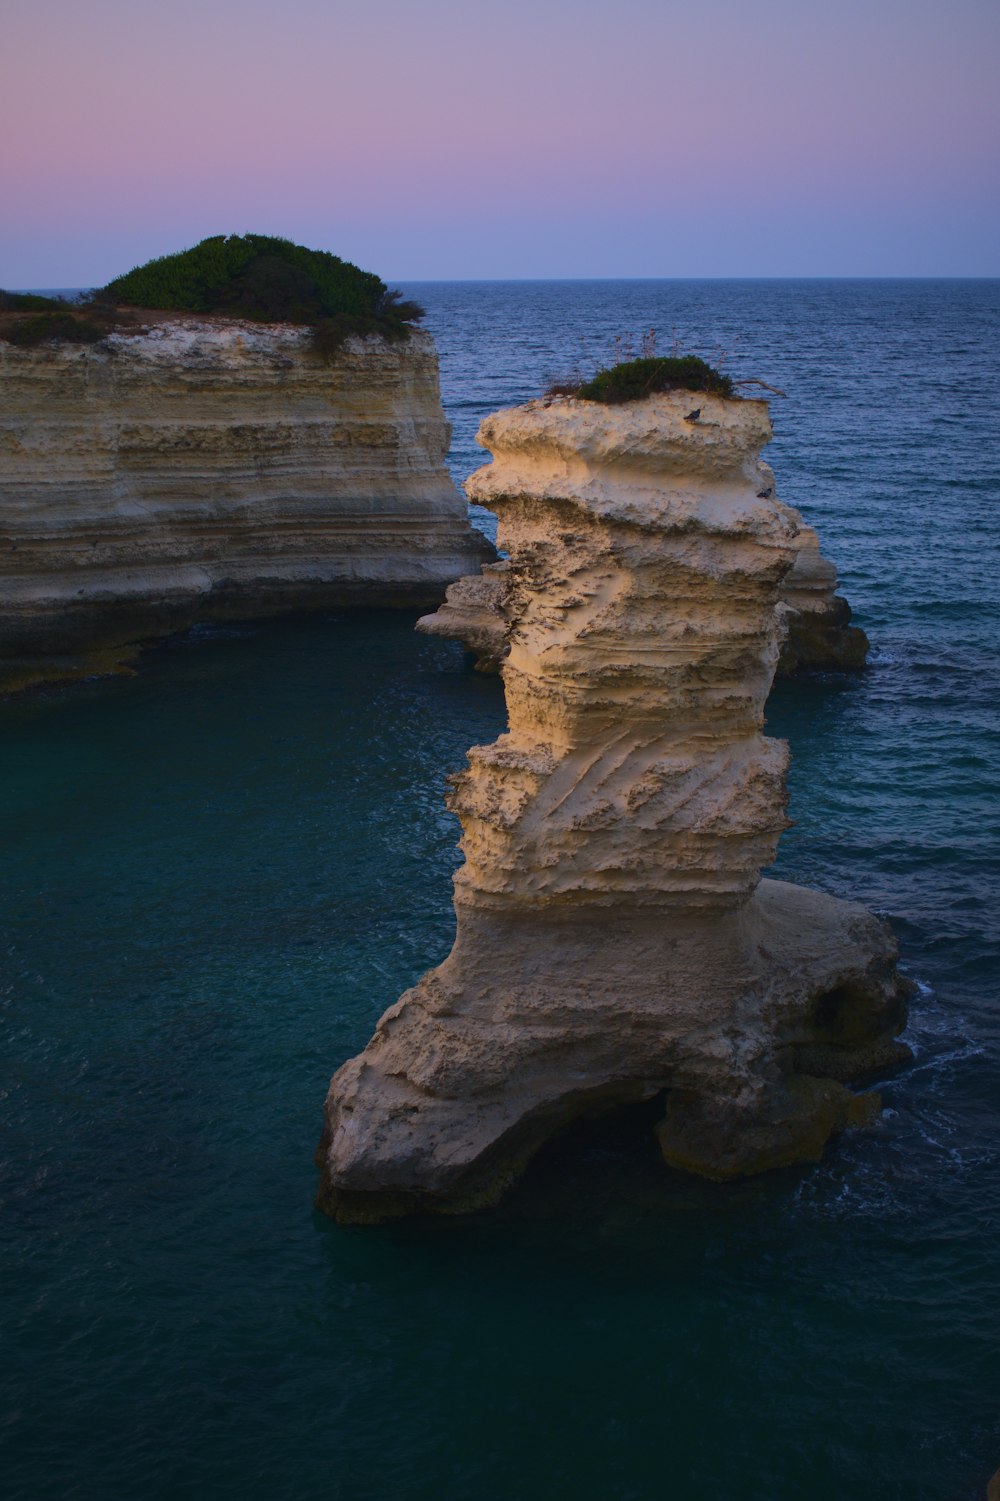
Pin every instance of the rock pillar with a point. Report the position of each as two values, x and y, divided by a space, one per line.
614 940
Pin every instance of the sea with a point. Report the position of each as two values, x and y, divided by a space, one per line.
218 873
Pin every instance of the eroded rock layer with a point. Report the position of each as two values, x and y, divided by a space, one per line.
818 632
207 468
614 941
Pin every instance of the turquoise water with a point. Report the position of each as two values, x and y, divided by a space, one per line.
219 873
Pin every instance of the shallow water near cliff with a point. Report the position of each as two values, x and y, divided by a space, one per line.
216 876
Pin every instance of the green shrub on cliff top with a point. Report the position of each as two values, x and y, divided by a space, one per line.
268 279
256 276
634 379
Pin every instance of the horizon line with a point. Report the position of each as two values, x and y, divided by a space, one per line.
530 280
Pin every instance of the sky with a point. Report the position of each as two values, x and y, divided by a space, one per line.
441 139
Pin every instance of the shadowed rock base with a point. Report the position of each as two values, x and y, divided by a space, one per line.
473 612
748 1023
614 941
820 637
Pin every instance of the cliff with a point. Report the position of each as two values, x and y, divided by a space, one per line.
208 468
614 941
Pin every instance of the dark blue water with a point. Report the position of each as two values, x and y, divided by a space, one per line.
217 874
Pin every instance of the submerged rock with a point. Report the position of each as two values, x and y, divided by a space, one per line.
210 468
614 940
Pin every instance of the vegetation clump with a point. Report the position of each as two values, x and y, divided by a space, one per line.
392 319
30 302
632 380
28 318
267 279
52 328
257 277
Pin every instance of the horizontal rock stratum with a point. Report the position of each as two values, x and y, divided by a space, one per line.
615 943
207 468
818 634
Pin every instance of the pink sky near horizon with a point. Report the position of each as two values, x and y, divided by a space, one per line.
559 138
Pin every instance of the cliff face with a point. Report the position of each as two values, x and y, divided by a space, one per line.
208 468
614 942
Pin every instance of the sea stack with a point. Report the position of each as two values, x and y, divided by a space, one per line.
199 468
615 942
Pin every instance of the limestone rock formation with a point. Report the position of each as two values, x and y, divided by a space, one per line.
474 612
208 468
818 633
614 943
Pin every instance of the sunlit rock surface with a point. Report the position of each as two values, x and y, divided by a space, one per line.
208 468
614 941
818 634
